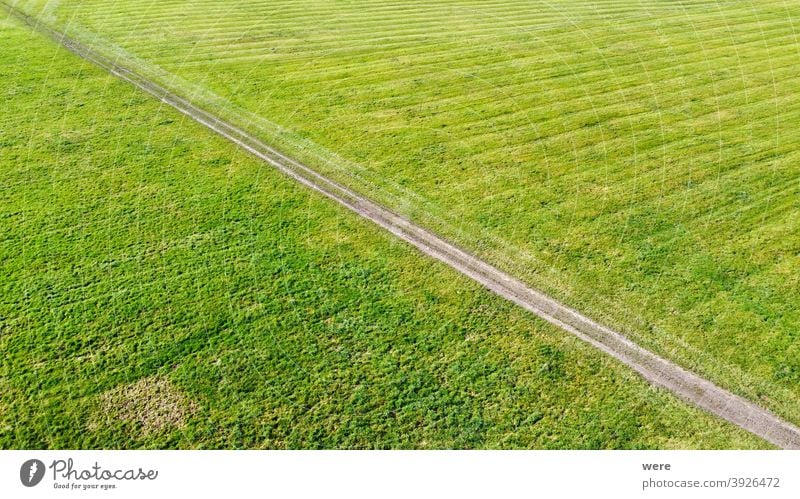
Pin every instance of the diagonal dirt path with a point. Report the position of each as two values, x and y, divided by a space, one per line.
657 370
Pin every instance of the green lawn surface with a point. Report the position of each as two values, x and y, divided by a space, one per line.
159 288
637 160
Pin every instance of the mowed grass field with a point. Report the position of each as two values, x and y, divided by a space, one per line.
637 160
160 288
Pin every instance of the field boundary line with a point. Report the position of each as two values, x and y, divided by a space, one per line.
659 371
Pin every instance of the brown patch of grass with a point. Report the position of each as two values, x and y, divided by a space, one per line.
153 404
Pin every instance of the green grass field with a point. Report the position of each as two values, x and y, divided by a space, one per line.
162 289
636 160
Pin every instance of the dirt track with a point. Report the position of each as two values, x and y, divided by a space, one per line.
657 370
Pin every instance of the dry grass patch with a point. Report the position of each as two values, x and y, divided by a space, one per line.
153 404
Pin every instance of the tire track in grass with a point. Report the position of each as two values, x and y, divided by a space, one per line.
657 370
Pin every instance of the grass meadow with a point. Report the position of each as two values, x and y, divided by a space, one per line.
636 160
160 288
